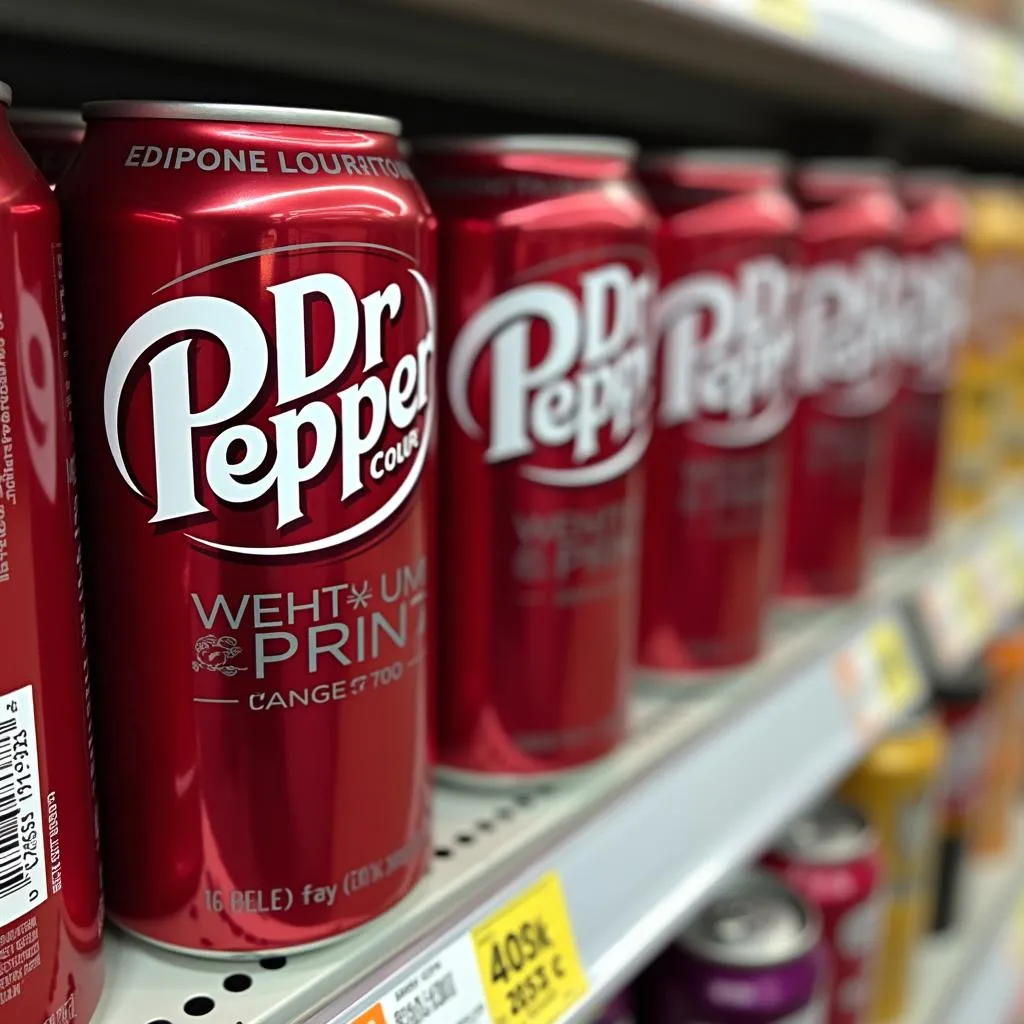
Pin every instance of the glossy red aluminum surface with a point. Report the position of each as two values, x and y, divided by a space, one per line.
50 902
936 285
250 296
546 358
848 330
712 526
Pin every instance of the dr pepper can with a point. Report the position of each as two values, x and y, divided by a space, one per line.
848 330
725 398
51 908
252 313
547 365
936 293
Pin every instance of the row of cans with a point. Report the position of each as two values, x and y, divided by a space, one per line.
824 931
657 405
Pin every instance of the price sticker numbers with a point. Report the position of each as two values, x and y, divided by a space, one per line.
794 17
527 957
879 676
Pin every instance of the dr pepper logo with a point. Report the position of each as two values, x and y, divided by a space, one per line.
545 366
321 395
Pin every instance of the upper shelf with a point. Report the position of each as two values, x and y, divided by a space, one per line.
684 69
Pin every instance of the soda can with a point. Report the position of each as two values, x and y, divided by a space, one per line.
725 399
847 333
251 297
753 955
897 788
51 908
52 138
936 297
547 361
975 425
831 856
618 1010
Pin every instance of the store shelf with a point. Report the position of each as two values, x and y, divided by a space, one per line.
637 842
712 68
974 974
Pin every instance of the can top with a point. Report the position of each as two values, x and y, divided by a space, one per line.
756 921
569 145
44 117
932 176
831 833
967 686
5 94
772 159
849 167
165 110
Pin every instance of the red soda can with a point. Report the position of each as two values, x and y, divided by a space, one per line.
936 283
831 856
51 908
848 328
546 355
251 302
52 137
725 398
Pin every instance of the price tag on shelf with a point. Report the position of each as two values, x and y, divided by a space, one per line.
527 957
972 603
998 69
794 17
879 676
1010 553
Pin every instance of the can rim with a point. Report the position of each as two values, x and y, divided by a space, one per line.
757 879
857 845
46 117
932 176
848 167
774 159
174 110
5 94
571 145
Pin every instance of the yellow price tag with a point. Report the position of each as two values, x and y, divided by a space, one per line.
526 952
898 677
1001 70
793 17
1011 555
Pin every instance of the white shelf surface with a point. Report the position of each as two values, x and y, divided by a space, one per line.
974 973
638 842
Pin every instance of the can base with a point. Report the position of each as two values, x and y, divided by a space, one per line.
255 955
497 782
684 683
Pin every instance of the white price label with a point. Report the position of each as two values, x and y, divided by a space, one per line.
444 990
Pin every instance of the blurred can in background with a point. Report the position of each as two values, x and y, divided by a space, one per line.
831 856
1012 422
753 955
253 352
52 137
935 307
896 788
618 1010
725 399
973 432
1001 757
848 332
547 363
51 908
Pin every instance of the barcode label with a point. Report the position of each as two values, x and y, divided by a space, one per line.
22 859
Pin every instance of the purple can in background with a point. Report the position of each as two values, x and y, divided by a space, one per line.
752 956
618 1010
